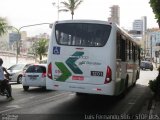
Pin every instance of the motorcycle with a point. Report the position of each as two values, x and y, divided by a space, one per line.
4 92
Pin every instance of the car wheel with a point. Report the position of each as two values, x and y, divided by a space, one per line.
43 88
19 79
25 88
151 69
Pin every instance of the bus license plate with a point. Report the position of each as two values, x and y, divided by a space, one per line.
96 73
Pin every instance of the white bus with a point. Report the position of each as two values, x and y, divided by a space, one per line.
91 56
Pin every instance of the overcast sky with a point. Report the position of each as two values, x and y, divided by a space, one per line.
26 12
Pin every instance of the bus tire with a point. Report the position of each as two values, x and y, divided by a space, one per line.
125 87
25 88
79 94
137 76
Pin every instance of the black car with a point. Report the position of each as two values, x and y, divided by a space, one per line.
146 65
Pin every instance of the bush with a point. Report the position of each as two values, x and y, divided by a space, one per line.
155 84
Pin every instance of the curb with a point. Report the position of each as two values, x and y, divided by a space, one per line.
152 112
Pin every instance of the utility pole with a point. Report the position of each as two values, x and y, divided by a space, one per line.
19 38
54 3
151 46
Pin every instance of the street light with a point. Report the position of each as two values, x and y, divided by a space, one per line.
17 41
54 4
19 38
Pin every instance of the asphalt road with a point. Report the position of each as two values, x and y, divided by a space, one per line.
37 104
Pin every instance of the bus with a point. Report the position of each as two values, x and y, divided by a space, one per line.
93 57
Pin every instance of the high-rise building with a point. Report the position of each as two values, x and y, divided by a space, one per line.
144 21
115 14
138 25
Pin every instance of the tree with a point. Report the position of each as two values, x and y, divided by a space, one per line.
3 26
71 6
155 5
40 48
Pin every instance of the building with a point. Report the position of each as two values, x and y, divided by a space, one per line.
138 25
144 24
153 44
139 30
115 14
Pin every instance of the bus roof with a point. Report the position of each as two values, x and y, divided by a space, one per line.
100 22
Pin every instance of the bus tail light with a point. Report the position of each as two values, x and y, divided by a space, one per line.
50 71
108 75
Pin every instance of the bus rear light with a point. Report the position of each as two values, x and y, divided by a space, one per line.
49 74
108 75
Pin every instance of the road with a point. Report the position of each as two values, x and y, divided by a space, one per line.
37 104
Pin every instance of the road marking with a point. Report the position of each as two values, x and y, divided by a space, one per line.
16 86
50 97
8 110
13 106
24 99
131 103
72 94
18 107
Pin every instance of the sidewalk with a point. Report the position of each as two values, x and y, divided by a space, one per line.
150 110
154 112
154 65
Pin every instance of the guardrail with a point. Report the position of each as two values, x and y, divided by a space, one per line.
9 53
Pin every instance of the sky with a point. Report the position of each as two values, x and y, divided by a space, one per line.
28 12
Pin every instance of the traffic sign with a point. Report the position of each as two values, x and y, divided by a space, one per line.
157 53
14 37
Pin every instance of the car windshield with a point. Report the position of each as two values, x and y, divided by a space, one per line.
17 67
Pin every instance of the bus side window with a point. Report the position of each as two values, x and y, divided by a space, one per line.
122 49
118 45
139 51
133 52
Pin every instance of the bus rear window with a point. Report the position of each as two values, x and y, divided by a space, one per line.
82 34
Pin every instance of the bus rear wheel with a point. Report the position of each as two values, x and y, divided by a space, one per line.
123 94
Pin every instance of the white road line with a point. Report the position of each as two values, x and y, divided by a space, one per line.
8 110
50 97
35 102
24 99
13 106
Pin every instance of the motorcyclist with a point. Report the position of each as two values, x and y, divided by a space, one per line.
4 82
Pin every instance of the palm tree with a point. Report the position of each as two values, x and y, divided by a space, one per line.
71 6
155 5
3 26
41 48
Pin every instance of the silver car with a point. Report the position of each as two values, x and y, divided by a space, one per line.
16 72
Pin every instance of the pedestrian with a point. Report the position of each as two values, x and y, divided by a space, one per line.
4 82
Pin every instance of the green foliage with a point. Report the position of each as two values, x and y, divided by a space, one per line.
3 26
71 6
155 84
39 48
155 5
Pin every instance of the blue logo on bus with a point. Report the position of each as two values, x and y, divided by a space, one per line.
56 50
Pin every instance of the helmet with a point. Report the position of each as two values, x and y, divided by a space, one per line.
1 61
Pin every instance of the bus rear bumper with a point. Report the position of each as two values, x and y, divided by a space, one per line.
105 89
